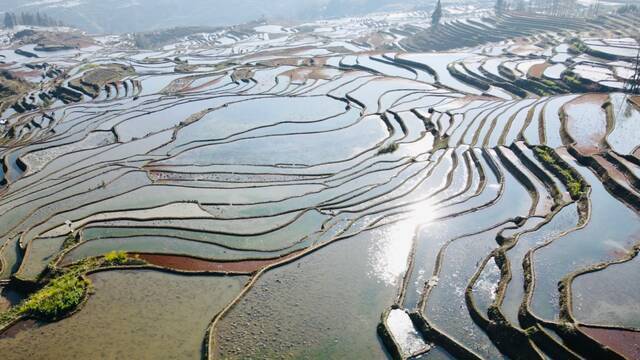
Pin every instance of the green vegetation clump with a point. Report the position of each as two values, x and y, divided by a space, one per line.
531 331
545 155
9 315
65 289
116 258
572 81
573 185
46 103
61 296
577 46
70 240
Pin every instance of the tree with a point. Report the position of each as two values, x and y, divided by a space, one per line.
25 19
9 21
37 19
437 14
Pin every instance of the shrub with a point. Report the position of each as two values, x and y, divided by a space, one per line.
62 295
66 288
577 46
70 240
116 258
9 315
545 155
574 186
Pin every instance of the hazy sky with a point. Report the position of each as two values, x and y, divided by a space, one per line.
138 15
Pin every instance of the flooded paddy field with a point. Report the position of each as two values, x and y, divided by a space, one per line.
348 188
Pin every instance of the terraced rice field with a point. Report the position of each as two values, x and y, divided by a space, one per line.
306 193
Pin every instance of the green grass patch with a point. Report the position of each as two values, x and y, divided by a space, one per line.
65 288
574 185
9 315
545 156
577 46
572 80
116 258
61 296
70 240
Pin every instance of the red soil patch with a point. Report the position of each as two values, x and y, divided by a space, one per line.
613 171
624 342
23 73
187 263
537 70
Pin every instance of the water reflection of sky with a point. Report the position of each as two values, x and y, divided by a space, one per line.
389 250
405 333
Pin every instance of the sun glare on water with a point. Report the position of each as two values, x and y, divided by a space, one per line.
391 246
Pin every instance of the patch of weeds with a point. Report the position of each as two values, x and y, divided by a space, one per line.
549 83
65 288
46 103
9 315
531 331
115 258
577 46
572 81
71 240
545 155
61 296
440 143
574 186
567 328
120 257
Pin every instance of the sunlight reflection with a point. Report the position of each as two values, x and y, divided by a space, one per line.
392 244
